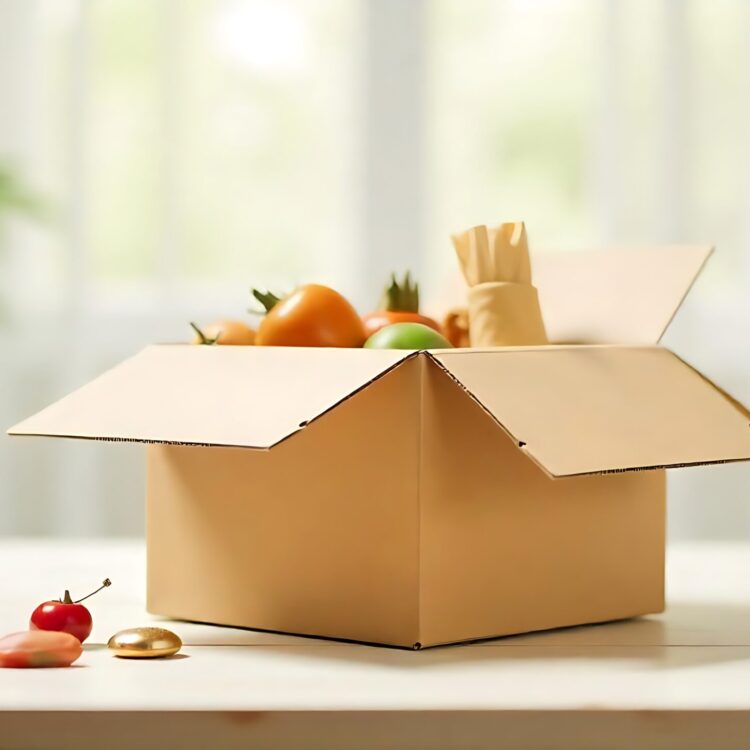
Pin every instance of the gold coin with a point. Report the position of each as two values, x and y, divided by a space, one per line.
144 643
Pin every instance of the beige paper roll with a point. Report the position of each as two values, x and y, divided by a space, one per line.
503 305
505 314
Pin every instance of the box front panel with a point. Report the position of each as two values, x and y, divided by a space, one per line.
505 549
317 536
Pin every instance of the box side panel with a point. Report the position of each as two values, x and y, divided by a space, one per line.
317 536
505 549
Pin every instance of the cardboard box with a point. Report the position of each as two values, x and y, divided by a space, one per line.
419 498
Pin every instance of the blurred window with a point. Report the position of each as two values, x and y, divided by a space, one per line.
194 143
188 149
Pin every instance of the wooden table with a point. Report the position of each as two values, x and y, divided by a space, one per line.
681 679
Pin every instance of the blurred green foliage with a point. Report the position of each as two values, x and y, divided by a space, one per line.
15 197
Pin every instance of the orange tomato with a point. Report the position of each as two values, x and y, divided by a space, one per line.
226 332
312 315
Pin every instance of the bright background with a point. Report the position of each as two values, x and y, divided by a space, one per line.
185 150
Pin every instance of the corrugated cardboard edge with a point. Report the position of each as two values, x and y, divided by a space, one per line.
433 357
518 442
408 354
698 272
521 444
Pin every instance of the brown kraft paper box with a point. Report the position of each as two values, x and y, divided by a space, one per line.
421 498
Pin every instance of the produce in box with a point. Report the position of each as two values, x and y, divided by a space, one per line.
400 304
312 315
225 332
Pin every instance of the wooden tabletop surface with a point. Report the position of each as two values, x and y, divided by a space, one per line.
681 679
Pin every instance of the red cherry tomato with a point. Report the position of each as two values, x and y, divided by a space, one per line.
65 616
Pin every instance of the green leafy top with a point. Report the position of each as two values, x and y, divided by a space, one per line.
401 296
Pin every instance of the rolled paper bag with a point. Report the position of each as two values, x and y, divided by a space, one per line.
505 314
503 305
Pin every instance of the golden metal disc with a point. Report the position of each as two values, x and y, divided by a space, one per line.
144 643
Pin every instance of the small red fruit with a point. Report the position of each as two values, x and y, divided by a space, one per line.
66 615
40 648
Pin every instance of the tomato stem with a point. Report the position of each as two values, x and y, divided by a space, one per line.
206 340
106 582
267 299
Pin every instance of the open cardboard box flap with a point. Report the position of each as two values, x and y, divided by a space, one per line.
613 296
595 409
249 397
625 296
573 410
